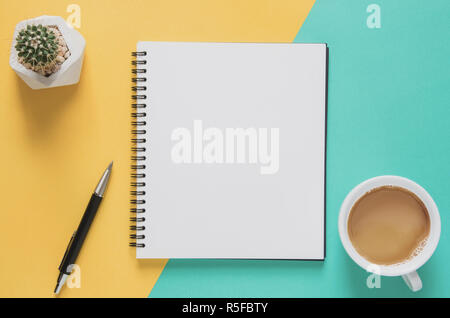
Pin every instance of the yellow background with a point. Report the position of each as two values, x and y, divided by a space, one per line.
55 143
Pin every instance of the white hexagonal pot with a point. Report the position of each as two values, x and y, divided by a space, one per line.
69 73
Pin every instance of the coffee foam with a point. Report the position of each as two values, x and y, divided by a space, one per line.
419 249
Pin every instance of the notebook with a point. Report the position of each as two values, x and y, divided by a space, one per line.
229 150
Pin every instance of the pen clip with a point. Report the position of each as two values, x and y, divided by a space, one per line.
65 253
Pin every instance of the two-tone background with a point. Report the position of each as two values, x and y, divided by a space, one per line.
388 113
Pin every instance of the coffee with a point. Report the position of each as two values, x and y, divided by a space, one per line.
388 225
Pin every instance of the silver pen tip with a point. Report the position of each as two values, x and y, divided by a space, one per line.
101 186
61 281
57 289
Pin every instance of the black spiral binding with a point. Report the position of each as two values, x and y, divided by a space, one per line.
138 122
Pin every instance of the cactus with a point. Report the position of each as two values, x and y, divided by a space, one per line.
37 46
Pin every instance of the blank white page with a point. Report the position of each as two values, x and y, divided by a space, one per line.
218 208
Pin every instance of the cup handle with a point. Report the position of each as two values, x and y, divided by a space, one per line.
413 281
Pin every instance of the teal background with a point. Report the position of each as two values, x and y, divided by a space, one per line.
388 113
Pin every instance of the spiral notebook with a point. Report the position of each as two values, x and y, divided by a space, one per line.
229 150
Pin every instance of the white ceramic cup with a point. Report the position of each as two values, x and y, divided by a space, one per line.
408 268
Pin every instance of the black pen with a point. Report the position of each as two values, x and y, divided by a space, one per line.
75 243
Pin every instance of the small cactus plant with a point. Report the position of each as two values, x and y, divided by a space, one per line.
37 45
41 48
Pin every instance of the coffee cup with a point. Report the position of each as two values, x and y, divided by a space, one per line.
407 268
